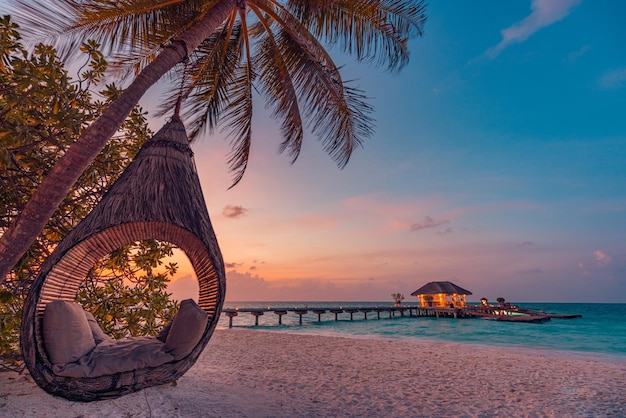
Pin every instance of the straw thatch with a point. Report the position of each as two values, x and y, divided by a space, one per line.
447 288
157 197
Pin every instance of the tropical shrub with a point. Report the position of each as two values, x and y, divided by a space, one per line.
42 111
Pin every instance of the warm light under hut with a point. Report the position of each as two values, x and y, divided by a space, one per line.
441 294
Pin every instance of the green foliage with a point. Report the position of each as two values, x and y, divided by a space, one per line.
42 112
125 293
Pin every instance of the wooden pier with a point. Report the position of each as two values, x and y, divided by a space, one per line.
508 314
359 312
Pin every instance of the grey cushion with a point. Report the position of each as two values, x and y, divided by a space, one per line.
117 356
66 332
162 336
187 328
98 335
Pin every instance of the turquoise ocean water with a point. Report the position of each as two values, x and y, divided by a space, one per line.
600 331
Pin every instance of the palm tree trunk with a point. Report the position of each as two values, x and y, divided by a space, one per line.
58 182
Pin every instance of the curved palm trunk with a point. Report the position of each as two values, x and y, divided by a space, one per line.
58 182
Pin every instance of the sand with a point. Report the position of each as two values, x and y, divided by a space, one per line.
249 373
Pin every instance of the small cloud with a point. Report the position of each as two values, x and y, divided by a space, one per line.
603 265
426 223
601 258
525 244
445 231
535 270
573 56
252 268
233 212
613 79
544 13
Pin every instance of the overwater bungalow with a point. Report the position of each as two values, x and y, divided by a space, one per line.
441 294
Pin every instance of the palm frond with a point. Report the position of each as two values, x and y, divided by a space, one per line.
130 31
211 70
337 114
297 77
277 87
374 30
238 113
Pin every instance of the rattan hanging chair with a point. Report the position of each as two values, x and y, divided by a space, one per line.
157 197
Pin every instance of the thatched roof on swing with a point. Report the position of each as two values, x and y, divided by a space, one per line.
158 196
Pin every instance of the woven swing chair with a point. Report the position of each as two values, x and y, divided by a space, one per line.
158 196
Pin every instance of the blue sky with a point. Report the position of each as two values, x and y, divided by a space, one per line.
497 164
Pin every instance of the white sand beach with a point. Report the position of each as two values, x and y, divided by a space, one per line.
248 373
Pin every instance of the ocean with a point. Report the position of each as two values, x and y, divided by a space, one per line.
600 331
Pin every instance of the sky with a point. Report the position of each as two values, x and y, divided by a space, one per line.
497 163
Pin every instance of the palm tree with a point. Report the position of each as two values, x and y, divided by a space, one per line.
230 47
397 298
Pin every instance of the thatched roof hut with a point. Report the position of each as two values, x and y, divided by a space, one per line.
441 294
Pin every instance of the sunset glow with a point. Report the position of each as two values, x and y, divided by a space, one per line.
497 163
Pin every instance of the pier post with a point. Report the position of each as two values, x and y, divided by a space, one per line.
351 311
256 317
300 312
280 316
419 311
336 312
365 312
319 313
230 318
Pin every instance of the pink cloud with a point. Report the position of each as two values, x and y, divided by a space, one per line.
543 13
381 204
427 223
601 258
604 266
233 211
394 214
